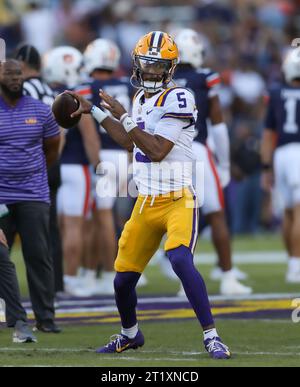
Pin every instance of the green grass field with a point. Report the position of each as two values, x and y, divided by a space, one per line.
177 343
254 343
158 285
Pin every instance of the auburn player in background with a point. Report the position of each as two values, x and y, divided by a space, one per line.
204 84
101 61
62 67
160 133
280 153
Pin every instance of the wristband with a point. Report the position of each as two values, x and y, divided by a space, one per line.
123 117
98 114
127 122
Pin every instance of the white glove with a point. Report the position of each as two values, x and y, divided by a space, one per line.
220 137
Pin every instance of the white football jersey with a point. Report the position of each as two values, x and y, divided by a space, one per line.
170 114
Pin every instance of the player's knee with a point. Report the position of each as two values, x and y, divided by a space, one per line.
180 258
125 282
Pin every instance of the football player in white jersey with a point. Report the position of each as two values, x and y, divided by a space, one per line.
101 61
161 134
204 84
280 153
61 68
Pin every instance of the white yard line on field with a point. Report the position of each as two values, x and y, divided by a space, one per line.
183 354
122 357
242 257
255 257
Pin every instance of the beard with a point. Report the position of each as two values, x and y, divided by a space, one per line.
12 94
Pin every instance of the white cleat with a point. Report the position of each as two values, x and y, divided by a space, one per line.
142 281
234 288
77 291
230 286
293 271
292 277
105 286
217 273
166 269
76 287
181 292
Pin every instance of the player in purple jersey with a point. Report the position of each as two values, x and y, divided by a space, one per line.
81 147
204 83
280 154
101 60
29 141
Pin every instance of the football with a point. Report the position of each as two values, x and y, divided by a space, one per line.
63 106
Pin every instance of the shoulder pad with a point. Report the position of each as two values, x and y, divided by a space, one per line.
168 94
204 71
137 94
179 103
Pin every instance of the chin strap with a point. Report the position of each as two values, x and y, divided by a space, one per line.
151 86
137 84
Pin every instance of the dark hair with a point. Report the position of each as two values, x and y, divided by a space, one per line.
29 55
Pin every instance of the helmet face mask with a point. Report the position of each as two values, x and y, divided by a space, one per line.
154 61
152 74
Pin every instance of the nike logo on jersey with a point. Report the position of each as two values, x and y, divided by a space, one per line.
149 111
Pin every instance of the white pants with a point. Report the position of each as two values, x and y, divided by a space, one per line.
287 174
74 196
114 181
208 187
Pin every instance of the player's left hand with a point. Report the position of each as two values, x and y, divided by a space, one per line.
224 175
112 105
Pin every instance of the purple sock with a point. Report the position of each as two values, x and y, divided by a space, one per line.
181 259
126 298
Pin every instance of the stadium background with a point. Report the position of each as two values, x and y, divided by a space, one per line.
246 41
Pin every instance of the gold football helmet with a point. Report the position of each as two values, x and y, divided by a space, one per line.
154 60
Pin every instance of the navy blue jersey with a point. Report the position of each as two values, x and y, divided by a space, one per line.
73 151
283 115
118 88
203 83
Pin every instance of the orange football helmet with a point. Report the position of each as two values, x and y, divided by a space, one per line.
154 60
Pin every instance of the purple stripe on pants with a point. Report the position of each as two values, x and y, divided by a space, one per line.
194 222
